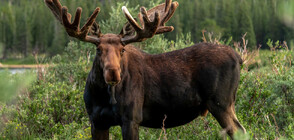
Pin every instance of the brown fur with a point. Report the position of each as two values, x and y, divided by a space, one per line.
182 84
177 86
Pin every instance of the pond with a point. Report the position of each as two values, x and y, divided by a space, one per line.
14 71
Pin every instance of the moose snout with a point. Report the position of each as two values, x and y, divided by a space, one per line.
112 76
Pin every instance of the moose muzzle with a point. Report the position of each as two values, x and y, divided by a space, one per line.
112 76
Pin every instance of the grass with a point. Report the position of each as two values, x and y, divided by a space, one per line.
52 107
30 60
16 61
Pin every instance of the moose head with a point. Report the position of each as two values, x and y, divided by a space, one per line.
111 47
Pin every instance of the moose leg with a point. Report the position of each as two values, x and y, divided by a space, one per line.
130 130
236 121
132 111
226 118
98 134
99 129
131 120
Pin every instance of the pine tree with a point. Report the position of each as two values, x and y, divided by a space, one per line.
245 24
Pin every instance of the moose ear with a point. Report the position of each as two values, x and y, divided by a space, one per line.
127 30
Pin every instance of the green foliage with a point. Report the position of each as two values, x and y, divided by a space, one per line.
265 103
159 44
280 57
53 107
116 21
15 61
12 84
29 26
246 24
210 25
286 13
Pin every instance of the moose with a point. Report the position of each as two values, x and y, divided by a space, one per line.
131 88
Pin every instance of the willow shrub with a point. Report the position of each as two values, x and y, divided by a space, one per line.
53 107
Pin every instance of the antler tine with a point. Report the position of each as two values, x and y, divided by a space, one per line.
150 24
170 10
91 20
77 20
73 28
95 30
160 15
57 4
130 18
148 30
167 5
66 21
55 7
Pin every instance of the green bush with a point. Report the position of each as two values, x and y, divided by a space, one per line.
53 107
265 103
11 84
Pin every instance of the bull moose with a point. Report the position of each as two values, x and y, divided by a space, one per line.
131 88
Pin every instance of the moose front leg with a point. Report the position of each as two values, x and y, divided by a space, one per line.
99 134
130 130
132 117
100 124
131 109
131 120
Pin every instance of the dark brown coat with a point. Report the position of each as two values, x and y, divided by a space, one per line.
130 88
181 84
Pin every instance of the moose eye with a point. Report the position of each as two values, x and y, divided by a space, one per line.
122 51
98 51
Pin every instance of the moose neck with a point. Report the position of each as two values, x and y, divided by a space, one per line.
96 75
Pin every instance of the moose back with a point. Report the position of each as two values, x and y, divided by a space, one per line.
131 88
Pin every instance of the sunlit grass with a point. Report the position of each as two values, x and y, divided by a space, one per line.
18 61
13 84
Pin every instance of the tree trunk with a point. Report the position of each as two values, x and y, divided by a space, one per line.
25 49
5 51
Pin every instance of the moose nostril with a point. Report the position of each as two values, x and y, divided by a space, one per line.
112 76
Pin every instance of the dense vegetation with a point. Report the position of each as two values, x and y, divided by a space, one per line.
52 107
28 26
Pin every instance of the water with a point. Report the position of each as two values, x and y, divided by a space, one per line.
14 71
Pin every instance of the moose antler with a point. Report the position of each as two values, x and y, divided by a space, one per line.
73 28
160 15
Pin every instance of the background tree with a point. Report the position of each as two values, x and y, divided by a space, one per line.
245 24
28 26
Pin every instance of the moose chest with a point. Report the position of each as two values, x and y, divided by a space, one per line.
177 108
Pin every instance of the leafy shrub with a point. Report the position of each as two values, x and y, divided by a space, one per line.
53 106
263 102
280 56
11 84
